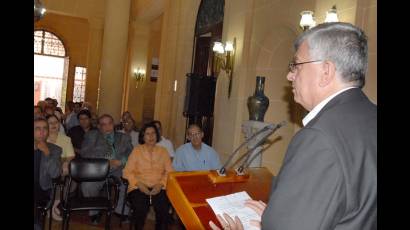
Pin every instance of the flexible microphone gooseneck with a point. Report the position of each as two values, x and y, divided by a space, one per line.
222 170
246 162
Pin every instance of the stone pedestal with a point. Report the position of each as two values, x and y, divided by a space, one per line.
249 128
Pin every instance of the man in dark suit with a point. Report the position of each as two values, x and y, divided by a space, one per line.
109 144
47 165
328 179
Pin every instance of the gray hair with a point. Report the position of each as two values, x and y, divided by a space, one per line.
341 43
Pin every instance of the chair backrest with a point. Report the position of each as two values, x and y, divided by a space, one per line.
89 169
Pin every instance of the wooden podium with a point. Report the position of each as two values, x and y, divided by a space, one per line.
187 192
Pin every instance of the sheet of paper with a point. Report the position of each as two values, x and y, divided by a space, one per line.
234 205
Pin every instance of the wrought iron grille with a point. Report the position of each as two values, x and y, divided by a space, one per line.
79 84
46 43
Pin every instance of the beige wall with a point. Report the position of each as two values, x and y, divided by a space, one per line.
150 86
174 63
138 54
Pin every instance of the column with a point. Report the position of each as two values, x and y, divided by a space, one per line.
113 57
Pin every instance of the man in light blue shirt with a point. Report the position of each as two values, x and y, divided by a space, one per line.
195 155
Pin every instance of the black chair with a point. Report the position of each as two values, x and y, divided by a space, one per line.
90 170
49 205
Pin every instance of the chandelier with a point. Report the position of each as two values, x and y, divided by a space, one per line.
39 10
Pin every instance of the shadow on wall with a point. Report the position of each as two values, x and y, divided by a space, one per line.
295 111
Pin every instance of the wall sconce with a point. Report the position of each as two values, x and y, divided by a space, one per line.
307 21
223 59
331 15
139 75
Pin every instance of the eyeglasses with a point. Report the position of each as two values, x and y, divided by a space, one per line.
192 135
292 65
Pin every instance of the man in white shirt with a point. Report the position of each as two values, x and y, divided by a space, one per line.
164 142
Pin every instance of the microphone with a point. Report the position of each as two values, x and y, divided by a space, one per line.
272 128
222 170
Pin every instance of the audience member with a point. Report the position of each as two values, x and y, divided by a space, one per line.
38 111
164 142
129 129
94 117
147 170
195 155
49 101
71 119
64 142
48 110
124 117
47 165
42 105
77 133
109 144
59 115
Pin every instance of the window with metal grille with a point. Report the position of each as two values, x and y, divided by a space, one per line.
46 43
50 67
79 84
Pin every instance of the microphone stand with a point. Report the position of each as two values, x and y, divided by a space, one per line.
222 170
245 163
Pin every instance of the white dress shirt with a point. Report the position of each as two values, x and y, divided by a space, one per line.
168 145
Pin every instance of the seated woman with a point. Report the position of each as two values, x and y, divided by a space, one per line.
64 142
146 170
60 139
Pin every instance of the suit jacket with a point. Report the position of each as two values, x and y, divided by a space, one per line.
96 146
50 166
328 179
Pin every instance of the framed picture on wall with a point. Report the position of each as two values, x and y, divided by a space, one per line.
154 69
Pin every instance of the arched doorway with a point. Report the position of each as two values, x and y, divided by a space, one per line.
50 67
201 82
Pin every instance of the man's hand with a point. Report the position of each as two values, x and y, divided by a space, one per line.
42 146
143 188
115 163
258 207
156 189
228 224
